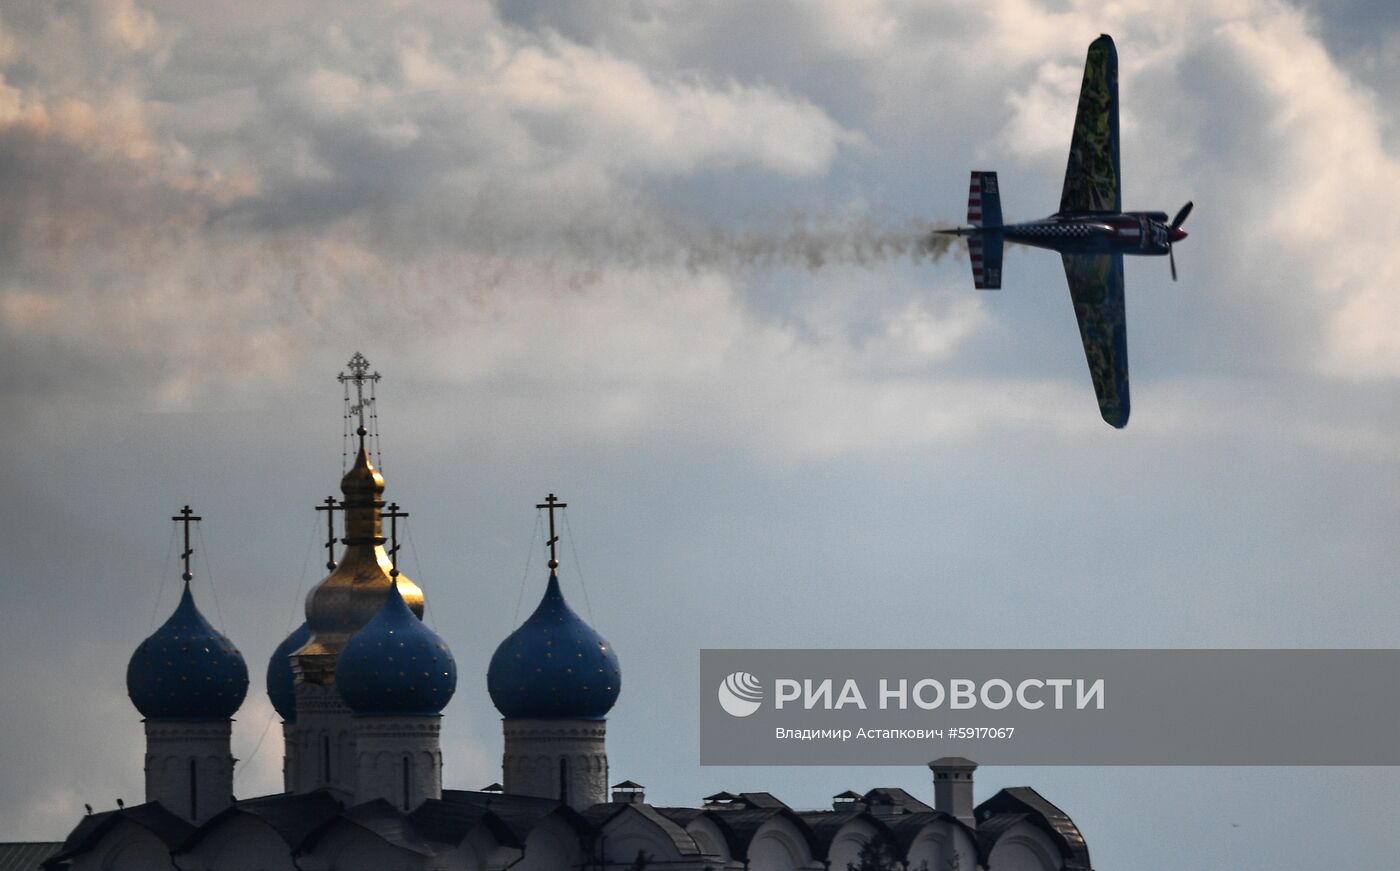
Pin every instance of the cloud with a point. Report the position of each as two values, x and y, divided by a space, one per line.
199 201
612 112
1334 218
141 231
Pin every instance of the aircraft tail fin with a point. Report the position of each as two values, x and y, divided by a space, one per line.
984 200
984 250
984 212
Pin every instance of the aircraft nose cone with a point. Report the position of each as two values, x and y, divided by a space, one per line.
1178 234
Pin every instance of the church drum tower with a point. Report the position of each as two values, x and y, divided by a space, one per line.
554 680
187 680
318 726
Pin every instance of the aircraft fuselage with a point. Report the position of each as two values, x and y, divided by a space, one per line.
1090 231
1139 233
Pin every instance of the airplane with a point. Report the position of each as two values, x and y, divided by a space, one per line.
1091 231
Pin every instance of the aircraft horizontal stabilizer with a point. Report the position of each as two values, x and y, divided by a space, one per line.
984 250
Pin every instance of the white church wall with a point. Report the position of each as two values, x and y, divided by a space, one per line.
480 851
189 768
324 742
347 847
1023 847
779 846
708 838
550 846
399 759
239 843
541 756
942 846
850 838
630 833
127 847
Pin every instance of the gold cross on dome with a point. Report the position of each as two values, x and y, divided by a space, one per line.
358 375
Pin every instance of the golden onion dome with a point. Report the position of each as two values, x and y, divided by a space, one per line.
356 588
362 480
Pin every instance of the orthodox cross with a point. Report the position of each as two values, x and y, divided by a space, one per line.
394 514
359 374
187 517
330 507
551 502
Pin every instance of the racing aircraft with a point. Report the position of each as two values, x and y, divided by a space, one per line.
1091 231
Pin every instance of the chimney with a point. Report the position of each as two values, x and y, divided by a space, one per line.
952 787
848 801
628 792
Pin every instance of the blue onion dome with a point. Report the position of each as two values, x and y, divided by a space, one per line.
396 664
555 666
187 670
281 682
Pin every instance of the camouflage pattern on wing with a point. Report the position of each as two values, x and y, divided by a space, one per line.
1092 180
1096 289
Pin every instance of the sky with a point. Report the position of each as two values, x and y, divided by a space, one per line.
662 259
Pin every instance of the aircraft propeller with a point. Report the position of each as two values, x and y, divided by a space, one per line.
1176 224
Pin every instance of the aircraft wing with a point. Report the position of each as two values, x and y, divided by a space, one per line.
1092 180
1096 288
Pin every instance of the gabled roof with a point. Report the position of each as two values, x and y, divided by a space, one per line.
26 855
151 816
681 815
721 796
518 813
993 818
745 800
993 827
294 817
824 826
381 819
600 815
761 799
435 825
897 797
905 828
739 823
449 822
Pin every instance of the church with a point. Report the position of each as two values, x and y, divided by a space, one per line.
360 687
